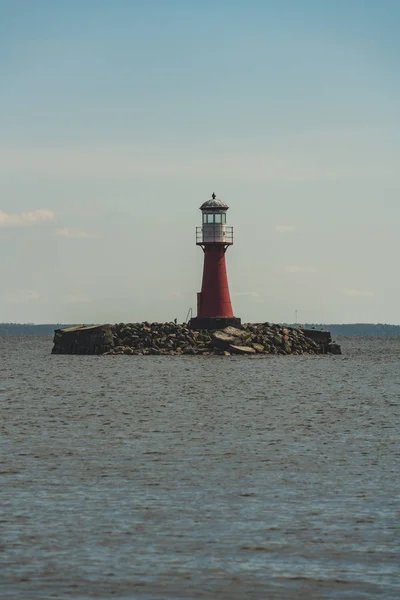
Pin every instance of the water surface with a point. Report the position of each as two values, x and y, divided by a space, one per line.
200 477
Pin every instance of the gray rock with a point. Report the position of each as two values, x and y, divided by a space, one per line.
235 332
287 347
242 349
222 340
258 347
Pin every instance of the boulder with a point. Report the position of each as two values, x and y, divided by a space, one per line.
221 339
287 347
242 349
258 347
235 332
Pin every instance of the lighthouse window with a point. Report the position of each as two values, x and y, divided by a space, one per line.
210 218
218 218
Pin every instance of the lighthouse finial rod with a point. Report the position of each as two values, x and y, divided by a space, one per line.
213 196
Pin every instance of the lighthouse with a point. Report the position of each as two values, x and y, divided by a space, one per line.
214 307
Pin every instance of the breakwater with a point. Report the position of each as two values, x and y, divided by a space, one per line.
162 339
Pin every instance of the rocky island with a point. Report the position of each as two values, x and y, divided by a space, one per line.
166 339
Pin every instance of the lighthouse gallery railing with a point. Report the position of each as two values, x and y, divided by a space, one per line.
214 234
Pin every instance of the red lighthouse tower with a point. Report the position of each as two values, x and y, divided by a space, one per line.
214 308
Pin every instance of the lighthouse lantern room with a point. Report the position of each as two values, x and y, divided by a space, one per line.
214 308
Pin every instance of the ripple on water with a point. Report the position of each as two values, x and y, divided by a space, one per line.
199 477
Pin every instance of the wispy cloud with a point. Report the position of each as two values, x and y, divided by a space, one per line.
357 293
73 233
178 295
309 156
77 299
285 228
252 296
23 296
298 269
25 219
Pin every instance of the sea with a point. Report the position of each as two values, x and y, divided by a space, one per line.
200 477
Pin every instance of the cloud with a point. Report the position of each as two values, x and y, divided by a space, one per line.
72 233
321 155
357 293
25 219
285 228
77 299
253 296
23 296
298 269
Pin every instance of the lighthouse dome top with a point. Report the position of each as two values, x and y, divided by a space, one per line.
214 204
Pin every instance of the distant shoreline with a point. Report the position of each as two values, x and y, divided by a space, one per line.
348 329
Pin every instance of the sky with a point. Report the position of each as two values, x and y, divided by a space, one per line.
119 118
